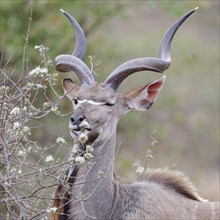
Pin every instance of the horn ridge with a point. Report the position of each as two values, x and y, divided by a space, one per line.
66 63
135 65
164 52
80 48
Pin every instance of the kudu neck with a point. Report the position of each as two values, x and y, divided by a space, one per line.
97 187
104 152
104 146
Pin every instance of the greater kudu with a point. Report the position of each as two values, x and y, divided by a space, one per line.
95 191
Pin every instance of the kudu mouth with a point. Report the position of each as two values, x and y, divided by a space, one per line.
80 128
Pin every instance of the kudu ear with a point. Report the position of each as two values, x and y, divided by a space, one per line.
70 88
142 98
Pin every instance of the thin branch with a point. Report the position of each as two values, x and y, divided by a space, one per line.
25 52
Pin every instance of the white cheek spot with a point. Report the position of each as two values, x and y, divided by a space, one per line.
82 101
95 103
90 102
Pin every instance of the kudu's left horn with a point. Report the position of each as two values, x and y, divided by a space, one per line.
148 63
66 63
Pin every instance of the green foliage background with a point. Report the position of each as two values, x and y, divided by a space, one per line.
186 114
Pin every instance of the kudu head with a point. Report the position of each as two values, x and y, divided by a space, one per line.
97 107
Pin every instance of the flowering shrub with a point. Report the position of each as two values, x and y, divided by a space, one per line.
28 171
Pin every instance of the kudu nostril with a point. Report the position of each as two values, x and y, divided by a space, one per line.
77 120
81 119
72 119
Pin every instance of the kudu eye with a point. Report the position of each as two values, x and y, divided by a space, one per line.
109 104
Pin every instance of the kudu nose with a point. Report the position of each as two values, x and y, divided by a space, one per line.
77 120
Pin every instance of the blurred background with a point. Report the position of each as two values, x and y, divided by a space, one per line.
185 118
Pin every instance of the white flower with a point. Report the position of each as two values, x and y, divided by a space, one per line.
36 47
74 151
13 170
88 156
80 160
41 48
51 210
149 156
39 86
30 84
43 70
83 138
49 159
21 153
15 111
4 88
38 71
139 169
100 173
55 109
26 130
153 142
61 140
16 125
46 105
89 149
35 72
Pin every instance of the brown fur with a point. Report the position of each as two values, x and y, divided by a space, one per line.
59 201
